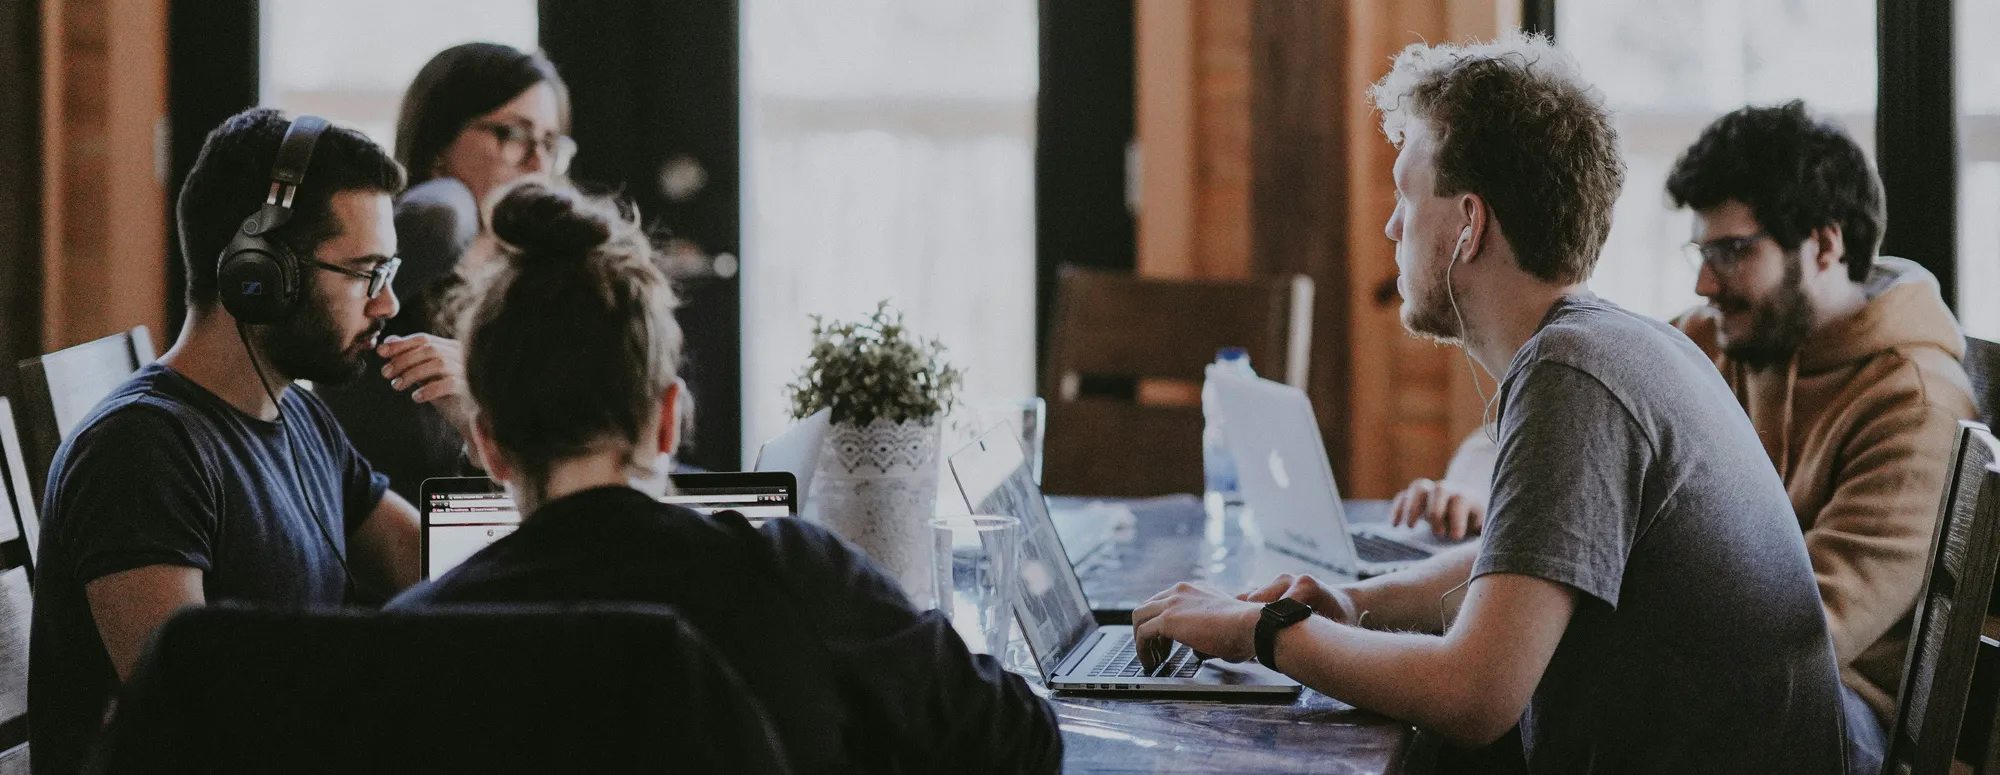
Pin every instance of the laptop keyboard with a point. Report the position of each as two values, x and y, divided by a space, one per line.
1124 663
1373 548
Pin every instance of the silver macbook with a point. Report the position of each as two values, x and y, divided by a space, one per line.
1288 485
1073 652
796 451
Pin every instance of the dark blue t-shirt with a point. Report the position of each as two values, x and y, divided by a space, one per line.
164 472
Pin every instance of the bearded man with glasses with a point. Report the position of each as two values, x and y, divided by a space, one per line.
210 474
1847 362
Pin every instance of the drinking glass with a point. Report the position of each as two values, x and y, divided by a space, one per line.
973 566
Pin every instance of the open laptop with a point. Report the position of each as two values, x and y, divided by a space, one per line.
461 515
796 451
1288 485
1073 651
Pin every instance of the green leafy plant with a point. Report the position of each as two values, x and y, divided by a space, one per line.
873 368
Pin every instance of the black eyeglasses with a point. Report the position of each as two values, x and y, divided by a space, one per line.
378 278
517 139
1721 254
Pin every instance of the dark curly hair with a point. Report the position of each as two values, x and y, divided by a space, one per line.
1795 172
1516 124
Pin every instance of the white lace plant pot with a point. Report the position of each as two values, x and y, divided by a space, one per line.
876 486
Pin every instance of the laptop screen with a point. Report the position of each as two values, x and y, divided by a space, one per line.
463 515
462 519
995 477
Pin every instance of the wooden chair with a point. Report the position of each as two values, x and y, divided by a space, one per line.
1945 635
27 525
1982 364
59 389
1114 325
16 607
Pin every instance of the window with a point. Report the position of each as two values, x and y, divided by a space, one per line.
350 61
1978 79
1669 67
888 154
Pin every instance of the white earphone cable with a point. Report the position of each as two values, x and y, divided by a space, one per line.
1486 404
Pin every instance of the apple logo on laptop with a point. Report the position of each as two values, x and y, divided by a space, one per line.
1278 474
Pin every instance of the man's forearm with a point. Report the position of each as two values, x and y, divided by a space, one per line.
1415 598
1398 674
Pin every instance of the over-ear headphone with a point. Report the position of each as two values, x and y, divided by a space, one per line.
256 278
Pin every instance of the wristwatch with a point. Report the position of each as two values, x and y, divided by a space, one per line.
1277 616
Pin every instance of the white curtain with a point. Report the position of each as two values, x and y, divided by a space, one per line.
889 154
1668 68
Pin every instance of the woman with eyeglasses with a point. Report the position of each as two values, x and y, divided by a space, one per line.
477 117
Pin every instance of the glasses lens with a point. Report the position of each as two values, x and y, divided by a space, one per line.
1692 253
383 276
561 150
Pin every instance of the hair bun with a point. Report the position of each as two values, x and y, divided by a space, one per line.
548 223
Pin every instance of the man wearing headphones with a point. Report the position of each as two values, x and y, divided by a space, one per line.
206 477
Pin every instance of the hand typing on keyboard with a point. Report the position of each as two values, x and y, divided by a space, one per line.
1204 619
1331 602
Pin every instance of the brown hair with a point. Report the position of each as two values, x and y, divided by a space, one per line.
459 85
570 336
1516 124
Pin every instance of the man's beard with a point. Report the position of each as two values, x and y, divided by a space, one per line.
1778 327
1428 312
308 345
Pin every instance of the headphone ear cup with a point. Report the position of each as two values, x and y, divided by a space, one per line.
256 280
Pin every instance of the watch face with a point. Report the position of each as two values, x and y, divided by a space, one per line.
1288 609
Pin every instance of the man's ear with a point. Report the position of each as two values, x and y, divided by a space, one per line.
1832 248
670 417
487 453
1466 246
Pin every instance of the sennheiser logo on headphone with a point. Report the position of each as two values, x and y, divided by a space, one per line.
253 288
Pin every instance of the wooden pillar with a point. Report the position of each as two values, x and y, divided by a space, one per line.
104 229
1259 154
1194 130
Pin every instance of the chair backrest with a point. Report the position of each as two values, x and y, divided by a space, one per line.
16 607
1982 365
22 548
613 688
1115 325
16 610
59 389
1944 642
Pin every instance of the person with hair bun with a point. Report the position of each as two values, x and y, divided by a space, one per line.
572 354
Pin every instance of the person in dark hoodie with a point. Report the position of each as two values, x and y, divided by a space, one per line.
477 117
571 354
1847 362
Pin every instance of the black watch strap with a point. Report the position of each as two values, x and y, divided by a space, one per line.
1278 615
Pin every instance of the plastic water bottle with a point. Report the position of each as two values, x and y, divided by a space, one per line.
1228 529
1217 465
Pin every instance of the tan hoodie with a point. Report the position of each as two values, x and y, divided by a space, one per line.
1860 424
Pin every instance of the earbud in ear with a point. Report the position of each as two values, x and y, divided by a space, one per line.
1463 235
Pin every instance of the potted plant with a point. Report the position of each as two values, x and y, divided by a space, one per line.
877 479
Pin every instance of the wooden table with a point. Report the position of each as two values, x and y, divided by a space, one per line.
1126 551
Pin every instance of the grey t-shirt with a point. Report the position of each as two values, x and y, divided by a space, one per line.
1629 473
